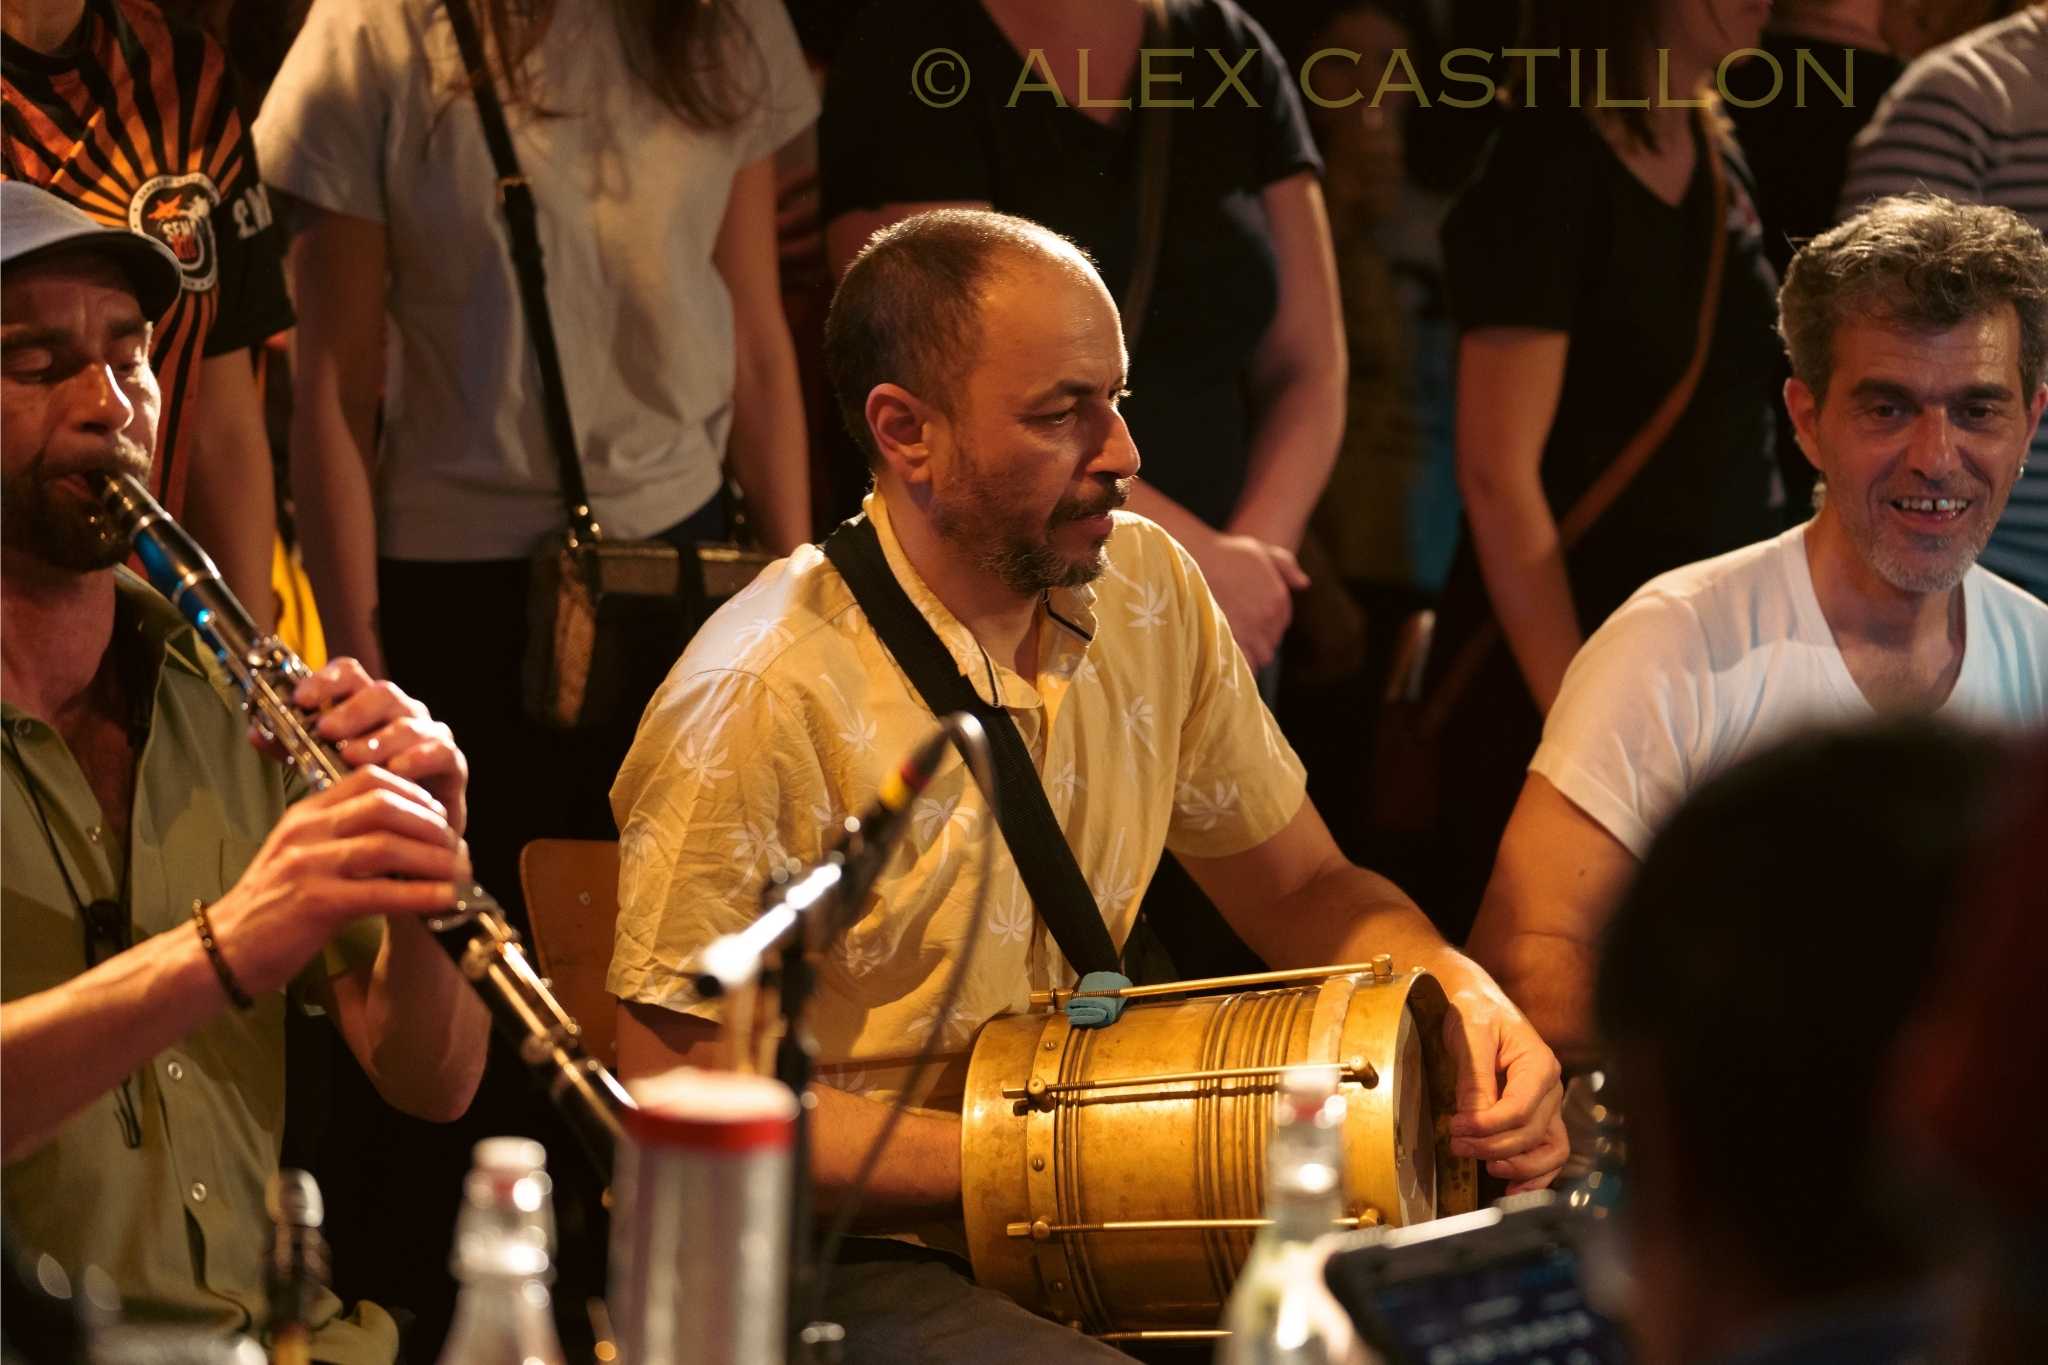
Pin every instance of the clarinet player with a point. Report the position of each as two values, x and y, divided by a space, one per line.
163 905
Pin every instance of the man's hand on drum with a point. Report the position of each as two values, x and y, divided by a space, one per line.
1510 1093
372 722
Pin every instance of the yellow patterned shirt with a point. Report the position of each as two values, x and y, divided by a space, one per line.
785 713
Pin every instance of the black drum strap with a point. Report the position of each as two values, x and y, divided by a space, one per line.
1037 844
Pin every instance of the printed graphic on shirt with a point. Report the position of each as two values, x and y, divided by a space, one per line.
177 210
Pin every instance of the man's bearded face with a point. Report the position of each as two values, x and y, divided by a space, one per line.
983 513
77 396
1035 455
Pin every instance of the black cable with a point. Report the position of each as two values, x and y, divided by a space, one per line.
975 753
103 921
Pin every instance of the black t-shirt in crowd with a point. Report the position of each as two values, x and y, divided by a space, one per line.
1797 142
884 140
1556 233
1797 139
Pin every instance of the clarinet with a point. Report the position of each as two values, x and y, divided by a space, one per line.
485 947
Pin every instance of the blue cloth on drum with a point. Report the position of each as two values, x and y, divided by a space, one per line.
1097 1011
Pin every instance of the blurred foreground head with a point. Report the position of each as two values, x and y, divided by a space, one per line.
1753 984
1963 1095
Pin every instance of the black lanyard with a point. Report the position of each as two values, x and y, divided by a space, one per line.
107 925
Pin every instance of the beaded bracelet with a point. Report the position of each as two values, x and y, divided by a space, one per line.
228 983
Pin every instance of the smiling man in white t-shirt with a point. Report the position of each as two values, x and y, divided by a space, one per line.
1918 333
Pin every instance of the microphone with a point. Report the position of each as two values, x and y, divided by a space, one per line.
869 840
844 875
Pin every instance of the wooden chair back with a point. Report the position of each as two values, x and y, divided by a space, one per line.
572 899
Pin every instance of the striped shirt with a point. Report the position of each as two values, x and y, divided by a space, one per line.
1970 121
134 121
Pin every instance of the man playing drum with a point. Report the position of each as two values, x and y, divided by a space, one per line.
979 360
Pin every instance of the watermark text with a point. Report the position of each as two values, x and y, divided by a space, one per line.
1336 78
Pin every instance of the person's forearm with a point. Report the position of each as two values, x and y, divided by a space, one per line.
770 458
428 1029
1293 449
68 1045
231 494
1550 979
1350 914
337 523
1521 558
918 1175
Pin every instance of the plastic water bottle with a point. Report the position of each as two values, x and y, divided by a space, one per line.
1275 1314
297 1269
503 1258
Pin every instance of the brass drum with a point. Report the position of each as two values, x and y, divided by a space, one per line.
1113 1177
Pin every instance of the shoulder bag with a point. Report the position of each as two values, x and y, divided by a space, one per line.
594 605
1406 778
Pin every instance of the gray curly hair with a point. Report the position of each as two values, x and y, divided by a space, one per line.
1919 262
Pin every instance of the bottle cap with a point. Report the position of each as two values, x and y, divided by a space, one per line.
507 1223
293 1199
1308 1094
509 1154
719 1111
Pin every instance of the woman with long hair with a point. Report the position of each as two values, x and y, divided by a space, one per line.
646 131
1578 263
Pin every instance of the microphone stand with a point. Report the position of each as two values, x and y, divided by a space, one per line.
801 918
795 1061
796 1057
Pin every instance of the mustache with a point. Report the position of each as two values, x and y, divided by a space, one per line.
1114 496
121 456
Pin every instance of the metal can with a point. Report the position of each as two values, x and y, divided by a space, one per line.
700 1223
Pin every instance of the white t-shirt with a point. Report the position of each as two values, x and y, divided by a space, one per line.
363 120
1711 662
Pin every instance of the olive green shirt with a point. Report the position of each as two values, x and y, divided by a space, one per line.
178 1221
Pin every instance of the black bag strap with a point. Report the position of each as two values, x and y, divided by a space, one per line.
1037 844
522 231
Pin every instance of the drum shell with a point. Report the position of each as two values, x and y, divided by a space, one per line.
1189 1149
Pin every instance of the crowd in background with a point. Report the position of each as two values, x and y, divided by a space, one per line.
1382 350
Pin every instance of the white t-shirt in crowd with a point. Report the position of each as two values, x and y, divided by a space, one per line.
364 119
1714 661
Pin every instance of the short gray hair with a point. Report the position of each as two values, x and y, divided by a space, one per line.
1919 262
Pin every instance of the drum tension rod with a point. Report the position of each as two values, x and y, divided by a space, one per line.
1039 1229
1039 1093
1381 968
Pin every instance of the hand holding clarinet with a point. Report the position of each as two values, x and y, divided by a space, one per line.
380 835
